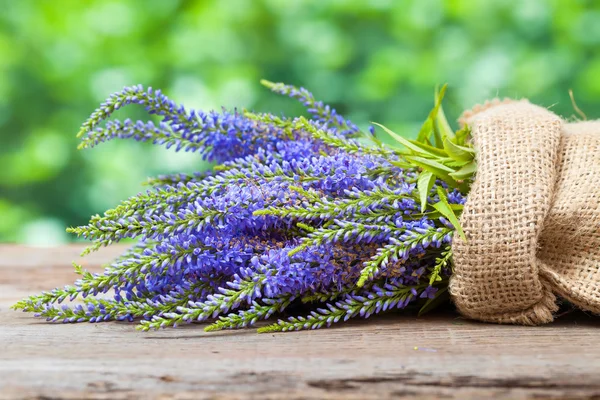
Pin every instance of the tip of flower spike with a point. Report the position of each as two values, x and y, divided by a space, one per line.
78 268
270 329
264 211
83 145
296 250
305 227
213 328
81 132
20 305
146 325
362 280
142 327
267 83
90 249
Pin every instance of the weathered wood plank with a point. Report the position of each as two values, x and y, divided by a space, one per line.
396 356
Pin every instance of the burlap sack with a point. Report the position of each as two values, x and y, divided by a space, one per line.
532 218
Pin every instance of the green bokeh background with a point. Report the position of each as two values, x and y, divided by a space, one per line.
373 60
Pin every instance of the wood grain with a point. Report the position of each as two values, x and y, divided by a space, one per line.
394 356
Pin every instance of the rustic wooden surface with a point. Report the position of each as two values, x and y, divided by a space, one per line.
396 356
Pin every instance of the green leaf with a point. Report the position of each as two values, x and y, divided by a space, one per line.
440 122
425 131
436 122
439 170
429 148
461 135
459 153
414 147
425 182
437 133
441 297
446 210
435 214
465 172
455 165
402 164
431 163
429 214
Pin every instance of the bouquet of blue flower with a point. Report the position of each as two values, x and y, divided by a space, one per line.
315 211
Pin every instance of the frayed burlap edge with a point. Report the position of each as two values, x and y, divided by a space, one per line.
467 115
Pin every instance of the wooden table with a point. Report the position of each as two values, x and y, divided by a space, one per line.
394 356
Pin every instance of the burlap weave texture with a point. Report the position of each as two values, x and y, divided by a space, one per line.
532 218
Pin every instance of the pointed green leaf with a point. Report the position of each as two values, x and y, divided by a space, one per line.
433 214
459 153
444 208
425 182
436 123
465 172
442 124
454 164
425 131
439 170
440 121
405 142
402 164
461 135
437 133
431 163
429 148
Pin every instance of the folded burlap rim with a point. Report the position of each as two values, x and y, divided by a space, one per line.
532 218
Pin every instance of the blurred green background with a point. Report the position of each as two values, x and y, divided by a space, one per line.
373 60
